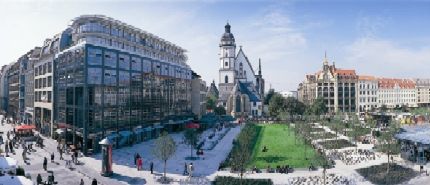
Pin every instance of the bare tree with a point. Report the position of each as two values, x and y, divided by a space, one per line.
164 149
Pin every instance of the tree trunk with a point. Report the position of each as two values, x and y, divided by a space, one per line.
388 164
165 164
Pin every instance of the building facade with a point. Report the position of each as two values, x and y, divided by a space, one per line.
396 93
241 90
117 81
337 88
423 92
367 97
198 95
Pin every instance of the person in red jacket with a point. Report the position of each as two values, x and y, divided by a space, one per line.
139 164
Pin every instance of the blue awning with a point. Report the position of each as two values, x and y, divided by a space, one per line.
125 133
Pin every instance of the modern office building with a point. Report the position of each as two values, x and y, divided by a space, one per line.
118 81
367 97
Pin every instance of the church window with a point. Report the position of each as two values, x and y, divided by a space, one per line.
226 79
226 64
244 73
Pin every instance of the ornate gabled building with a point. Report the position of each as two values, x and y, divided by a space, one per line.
335 86
241 90
213 91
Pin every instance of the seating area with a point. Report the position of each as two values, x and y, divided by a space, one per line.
331 179
352 156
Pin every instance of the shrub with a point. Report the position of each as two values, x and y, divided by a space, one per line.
222 180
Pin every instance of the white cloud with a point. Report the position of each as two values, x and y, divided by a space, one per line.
386 58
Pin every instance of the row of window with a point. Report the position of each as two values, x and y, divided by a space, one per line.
43 82
127 62
43 96
43 69
123 33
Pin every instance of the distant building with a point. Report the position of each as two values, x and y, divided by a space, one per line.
335 86
395 93
287 94
423 92
241 90
367 97
198 95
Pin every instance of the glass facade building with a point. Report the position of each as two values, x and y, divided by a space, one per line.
114 80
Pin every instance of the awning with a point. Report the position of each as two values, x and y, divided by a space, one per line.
125 133
139 130
25 127
159 126
192 125
112 136
63 125
148 129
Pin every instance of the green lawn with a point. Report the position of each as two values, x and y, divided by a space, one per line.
282 149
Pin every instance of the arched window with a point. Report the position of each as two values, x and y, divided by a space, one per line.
238 102
226 79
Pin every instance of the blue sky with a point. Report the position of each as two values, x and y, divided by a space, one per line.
381 38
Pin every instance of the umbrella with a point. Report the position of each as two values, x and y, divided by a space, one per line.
192 125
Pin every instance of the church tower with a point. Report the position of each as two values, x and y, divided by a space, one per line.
227 73
259 81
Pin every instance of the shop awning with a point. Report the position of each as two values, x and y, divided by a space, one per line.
192 125
25 127
63 125
125 133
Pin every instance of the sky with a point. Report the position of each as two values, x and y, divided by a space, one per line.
380 38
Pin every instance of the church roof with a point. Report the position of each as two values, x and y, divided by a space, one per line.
248 89
240 52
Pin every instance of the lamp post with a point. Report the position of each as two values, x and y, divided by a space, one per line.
106 145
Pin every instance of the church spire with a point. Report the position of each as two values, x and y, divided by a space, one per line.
325 58
259 66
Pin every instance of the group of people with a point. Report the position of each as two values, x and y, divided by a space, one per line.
138 161
279 169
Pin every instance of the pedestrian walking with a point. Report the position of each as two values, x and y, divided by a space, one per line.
151 167
94 182
76 156
135 159
6 148
52 157
11 146
185 169
45 163
139 164
82 182
39 179
61 154
8 135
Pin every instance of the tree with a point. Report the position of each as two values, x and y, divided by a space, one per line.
210 103
318 107
387 143
164 148
220 110
241 153
294 107
383 108
269 96
276 105
191 137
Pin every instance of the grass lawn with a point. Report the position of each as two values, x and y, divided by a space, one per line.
282 149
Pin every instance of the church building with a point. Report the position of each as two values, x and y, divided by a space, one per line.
241 90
